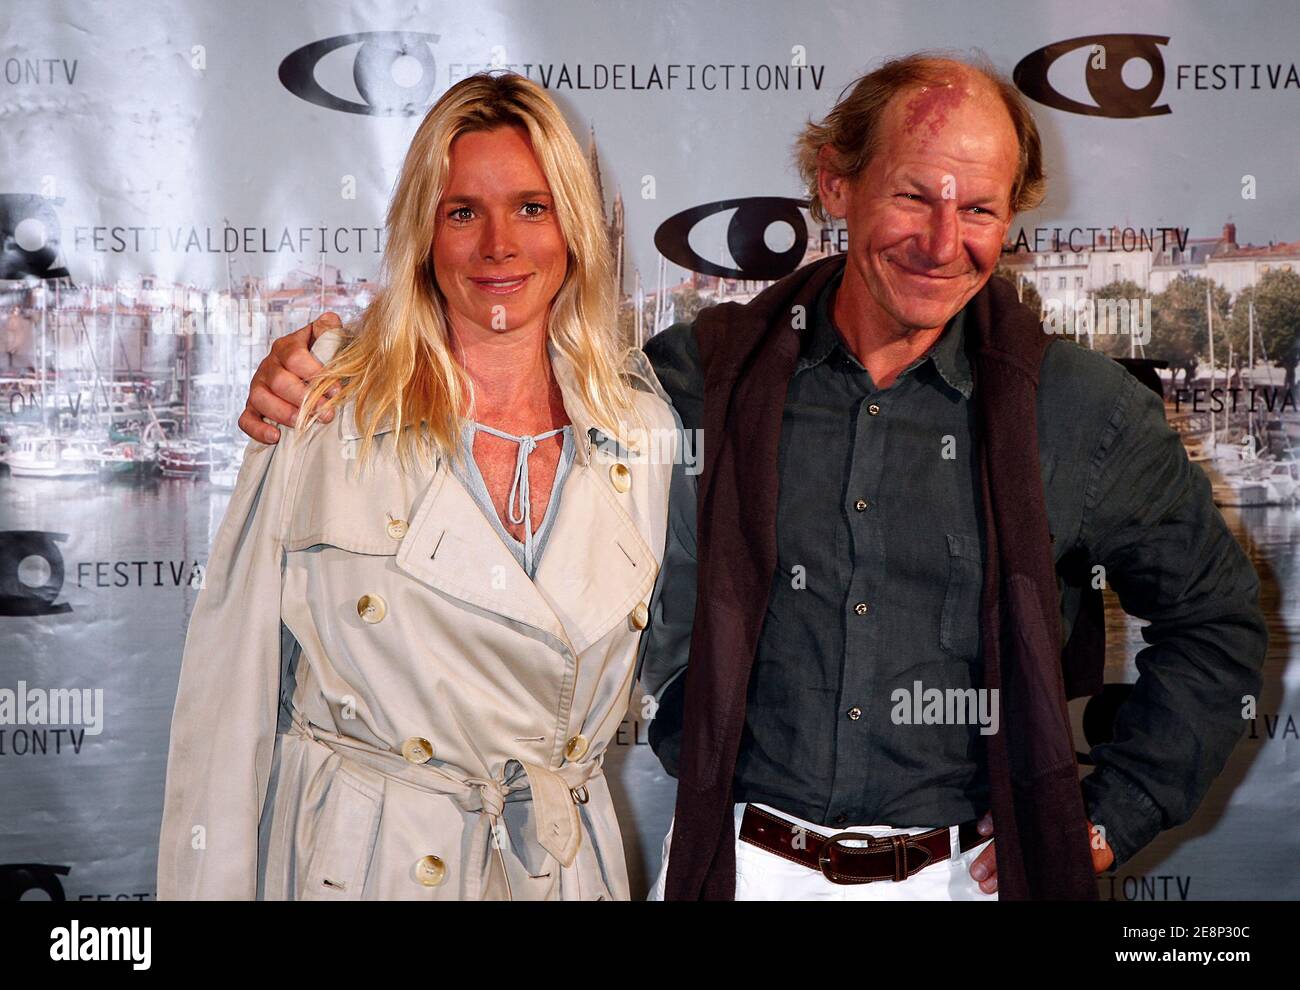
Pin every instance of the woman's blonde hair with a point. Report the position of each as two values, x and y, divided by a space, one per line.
852 128
398 361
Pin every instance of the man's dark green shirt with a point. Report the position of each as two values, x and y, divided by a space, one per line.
875 598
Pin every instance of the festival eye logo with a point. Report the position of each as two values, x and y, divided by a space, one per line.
31 573
18 879
393 72
746 237
29 237
1103 64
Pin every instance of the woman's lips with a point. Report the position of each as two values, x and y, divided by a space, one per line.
501 287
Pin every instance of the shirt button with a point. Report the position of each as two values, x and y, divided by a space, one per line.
860 505
371 608
860 608
430 870
854 713
396 528
620 476
640 616
873 409
417 750
575 748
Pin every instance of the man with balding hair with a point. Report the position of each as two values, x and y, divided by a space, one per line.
906 495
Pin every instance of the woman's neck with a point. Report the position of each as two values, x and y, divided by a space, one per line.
515 389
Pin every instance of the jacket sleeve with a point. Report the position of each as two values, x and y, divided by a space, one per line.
227 701
224 723
666 643
1151 523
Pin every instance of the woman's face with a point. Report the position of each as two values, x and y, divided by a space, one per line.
499 256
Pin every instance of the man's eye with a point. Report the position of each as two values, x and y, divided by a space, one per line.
915 196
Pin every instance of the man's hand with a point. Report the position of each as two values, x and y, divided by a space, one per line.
280 384
985 867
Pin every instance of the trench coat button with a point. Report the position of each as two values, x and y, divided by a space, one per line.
371 608
873 409
575 748
640 616
854 713
620 476
430 871
396 528
417 750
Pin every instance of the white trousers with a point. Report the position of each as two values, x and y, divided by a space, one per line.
765 876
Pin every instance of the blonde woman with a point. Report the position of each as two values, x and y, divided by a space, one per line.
421 614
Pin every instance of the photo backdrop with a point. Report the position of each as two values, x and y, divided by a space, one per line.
182 183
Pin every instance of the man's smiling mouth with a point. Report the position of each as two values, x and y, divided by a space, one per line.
915 274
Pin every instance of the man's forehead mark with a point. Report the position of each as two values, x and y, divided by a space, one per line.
931 106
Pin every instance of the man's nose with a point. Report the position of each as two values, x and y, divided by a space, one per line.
942 241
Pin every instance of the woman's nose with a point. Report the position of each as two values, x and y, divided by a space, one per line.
498 241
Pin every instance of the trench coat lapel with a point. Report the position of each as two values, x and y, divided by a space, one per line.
452 547
596 566
595 569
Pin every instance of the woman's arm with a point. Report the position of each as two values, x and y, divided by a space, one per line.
224 725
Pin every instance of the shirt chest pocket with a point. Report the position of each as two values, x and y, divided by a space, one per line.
959 622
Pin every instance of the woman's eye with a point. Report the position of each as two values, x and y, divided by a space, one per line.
457 214
540 208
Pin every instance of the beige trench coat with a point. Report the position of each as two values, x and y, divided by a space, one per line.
375 700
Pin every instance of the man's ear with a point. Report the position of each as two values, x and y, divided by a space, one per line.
831 185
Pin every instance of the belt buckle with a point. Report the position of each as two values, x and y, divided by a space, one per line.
898 842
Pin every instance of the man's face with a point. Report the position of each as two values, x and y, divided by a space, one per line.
498 251
927 217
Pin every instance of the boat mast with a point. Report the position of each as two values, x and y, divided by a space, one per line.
229 347
44 360
1250 369
1209 322
638 304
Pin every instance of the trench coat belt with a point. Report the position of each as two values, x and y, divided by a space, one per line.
553 791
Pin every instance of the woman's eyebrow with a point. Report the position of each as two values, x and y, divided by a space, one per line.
469 200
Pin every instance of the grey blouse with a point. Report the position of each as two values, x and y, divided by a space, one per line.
528 552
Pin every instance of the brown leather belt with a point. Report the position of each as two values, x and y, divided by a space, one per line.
889 857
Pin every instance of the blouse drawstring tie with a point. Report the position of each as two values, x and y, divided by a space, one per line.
519 486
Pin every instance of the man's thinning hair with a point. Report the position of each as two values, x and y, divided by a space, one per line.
852 128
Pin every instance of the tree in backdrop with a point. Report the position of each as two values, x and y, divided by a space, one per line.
1180 331
1028 292
1113 344
1277 320
1238 334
